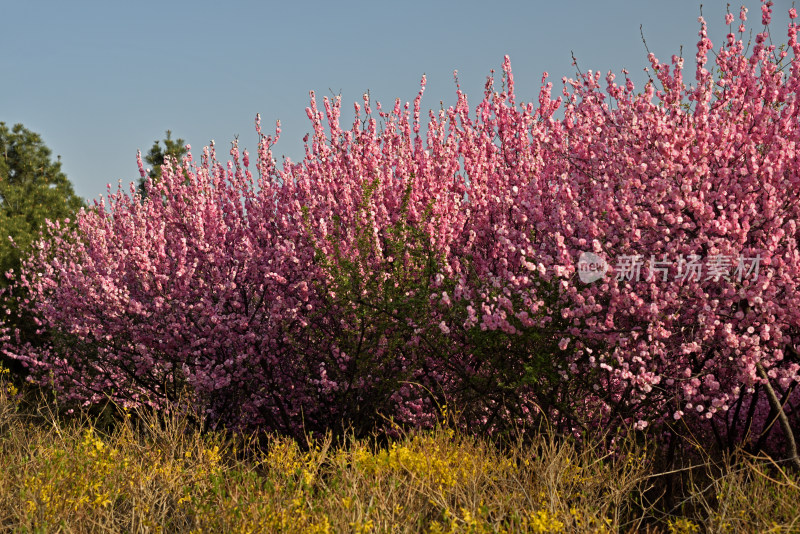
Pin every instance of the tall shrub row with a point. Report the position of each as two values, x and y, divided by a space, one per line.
398 269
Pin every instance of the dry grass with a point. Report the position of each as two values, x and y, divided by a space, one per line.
149 474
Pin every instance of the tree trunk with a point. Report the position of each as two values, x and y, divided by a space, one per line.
784 421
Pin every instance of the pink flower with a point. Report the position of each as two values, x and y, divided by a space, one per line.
766 13
273 290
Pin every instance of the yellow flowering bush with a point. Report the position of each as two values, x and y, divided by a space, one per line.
145 475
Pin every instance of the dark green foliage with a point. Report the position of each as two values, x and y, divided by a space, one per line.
377 300
33 189
173 148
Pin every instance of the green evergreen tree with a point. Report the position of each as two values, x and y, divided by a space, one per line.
173 148
32 189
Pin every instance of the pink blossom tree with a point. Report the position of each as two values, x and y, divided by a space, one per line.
388 273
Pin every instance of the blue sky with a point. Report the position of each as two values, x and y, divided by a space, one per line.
99 80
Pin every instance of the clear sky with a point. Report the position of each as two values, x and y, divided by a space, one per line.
101 79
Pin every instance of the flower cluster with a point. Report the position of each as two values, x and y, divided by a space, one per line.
390 270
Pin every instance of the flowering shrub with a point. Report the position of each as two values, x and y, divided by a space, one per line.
386 273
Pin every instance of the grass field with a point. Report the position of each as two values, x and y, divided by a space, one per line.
143 473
